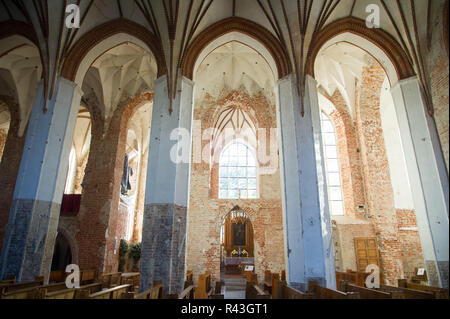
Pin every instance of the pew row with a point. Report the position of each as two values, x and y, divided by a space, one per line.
439 293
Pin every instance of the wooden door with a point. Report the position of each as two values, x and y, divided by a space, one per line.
366 251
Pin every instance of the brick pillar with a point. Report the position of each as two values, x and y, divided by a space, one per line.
12 150
97 238
167 191
140 200
32 226
349 156
379 191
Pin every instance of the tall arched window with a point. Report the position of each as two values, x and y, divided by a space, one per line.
332 166
237 173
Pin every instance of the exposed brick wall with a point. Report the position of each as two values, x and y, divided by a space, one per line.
345 230
410 241
9 165
349 156
206 212
98 221
140 201
439 67
379 192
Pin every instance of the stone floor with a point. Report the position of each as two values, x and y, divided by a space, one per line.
234 287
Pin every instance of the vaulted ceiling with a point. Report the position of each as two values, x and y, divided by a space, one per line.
20 71
119 75
175 24
233 67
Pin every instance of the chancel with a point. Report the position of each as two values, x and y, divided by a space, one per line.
224 149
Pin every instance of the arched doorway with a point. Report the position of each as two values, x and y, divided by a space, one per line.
237 246
62 254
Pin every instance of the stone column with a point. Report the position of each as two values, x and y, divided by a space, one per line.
167 191
308 240
427 175
32 227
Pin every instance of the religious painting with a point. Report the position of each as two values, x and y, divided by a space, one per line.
239 234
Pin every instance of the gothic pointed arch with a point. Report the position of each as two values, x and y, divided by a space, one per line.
92 38
240 25
376 36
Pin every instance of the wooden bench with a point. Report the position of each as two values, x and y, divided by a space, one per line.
111 280
204 288
356 278
88 277
131 279
62 294
57 276
268 281
252 291
365 293
326 293
287 292
405 293
439 293
189 281
85 291
112 293
5 288
156 292
35 291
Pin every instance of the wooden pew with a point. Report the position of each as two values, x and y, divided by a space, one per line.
287 292
85 291
405 293
57 276
131 279
111 280
325 293
7 282
204 288
31 292
250 276
366 293
275 286
62 294
156 292
268 281
88 277
19 286
189 281
252 291
355 278
439 293
112 293
187 293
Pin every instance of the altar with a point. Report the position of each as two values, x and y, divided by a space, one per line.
236 265
245 261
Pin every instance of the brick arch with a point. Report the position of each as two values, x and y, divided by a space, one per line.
227 210
384 41
72 242
100 33
235 24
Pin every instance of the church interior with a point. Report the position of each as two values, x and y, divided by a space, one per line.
224 149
